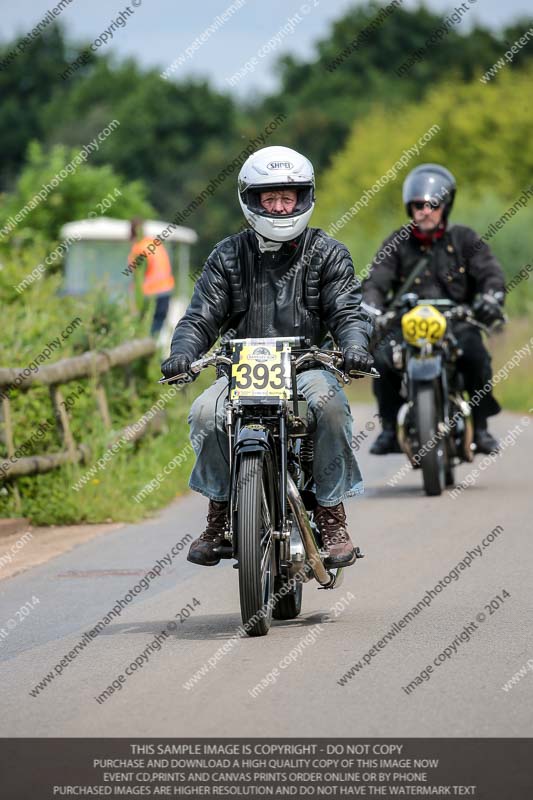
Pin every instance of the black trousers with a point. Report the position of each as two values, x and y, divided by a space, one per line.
474 365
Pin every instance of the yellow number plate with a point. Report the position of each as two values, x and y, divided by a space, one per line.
261 369
423 324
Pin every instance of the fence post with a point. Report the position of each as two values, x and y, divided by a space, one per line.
62 419
8 427
101 399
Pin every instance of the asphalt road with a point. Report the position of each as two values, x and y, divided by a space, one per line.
411 543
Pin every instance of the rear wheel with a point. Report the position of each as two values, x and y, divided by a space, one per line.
255 542
432 461
449 473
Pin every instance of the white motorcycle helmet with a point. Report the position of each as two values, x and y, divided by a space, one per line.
276 168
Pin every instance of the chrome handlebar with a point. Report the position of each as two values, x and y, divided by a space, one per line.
332 359
329 358
457 312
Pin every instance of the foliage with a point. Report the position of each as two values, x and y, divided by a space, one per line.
489 156
75 197
36 319
515 392
353 116
174 137
50 499
27 83
324 100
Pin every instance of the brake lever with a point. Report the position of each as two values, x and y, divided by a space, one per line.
198 366
344 378
372 374
499 324
181 376
482 327
326 360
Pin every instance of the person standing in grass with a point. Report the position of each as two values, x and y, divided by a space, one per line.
158 281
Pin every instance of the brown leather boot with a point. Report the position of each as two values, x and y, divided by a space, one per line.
331 522
212 545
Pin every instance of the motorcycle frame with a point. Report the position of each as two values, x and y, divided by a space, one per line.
254 435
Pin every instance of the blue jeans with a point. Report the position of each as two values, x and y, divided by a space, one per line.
335 470
162 303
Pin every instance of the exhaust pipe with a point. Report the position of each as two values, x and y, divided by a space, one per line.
464 407
323 576
403 441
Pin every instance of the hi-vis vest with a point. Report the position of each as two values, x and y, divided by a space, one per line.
158 277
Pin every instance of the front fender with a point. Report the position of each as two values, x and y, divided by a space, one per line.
424 369
252 439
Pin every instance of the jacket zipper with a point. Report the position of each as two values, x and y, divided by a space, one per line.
299 283
295 320
259 284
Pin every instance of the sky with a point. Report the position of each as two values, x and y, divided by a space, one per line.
157 32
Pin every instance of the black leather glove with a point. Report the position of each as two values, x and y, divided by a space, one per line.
487 308
176 365
357 357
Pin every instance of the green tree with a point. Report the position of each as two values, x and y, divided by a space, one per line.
165 127
325 94
27 83
76 195
487 150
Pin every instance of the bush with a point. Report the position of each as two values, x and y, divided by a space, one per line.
35 317
487 151
75 197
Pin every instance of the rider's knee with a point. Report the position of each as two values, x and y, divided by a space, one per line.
334 409
200 414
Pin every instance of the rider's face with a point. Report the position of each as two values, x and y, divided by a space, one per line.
427 218
279 202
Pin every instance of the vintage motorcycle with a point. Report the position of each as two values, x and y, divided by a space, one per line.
434 425
275 540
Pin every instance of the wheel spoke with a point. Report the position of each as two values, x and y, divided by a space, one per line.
265 511
264 538
266 522
265 559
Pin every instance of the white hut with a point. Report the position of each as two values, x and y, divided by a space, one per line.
98 253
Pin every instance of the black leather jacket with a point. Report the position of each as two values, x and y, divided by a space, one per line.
311 290
460 265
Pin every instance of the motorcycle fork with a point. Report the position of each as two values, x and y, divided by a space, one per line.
233 423
283 469
234 420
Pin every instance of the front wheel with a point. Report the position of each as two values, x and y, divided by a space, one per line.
256 550
432 458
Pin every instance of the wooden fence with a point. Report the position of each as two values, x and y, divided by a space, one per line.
92 364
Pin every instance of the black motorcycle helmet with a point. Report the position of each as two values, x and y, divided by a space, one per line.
432 183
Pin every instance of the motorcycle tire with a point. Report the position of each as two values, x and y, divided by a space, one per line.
427 418
255 542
